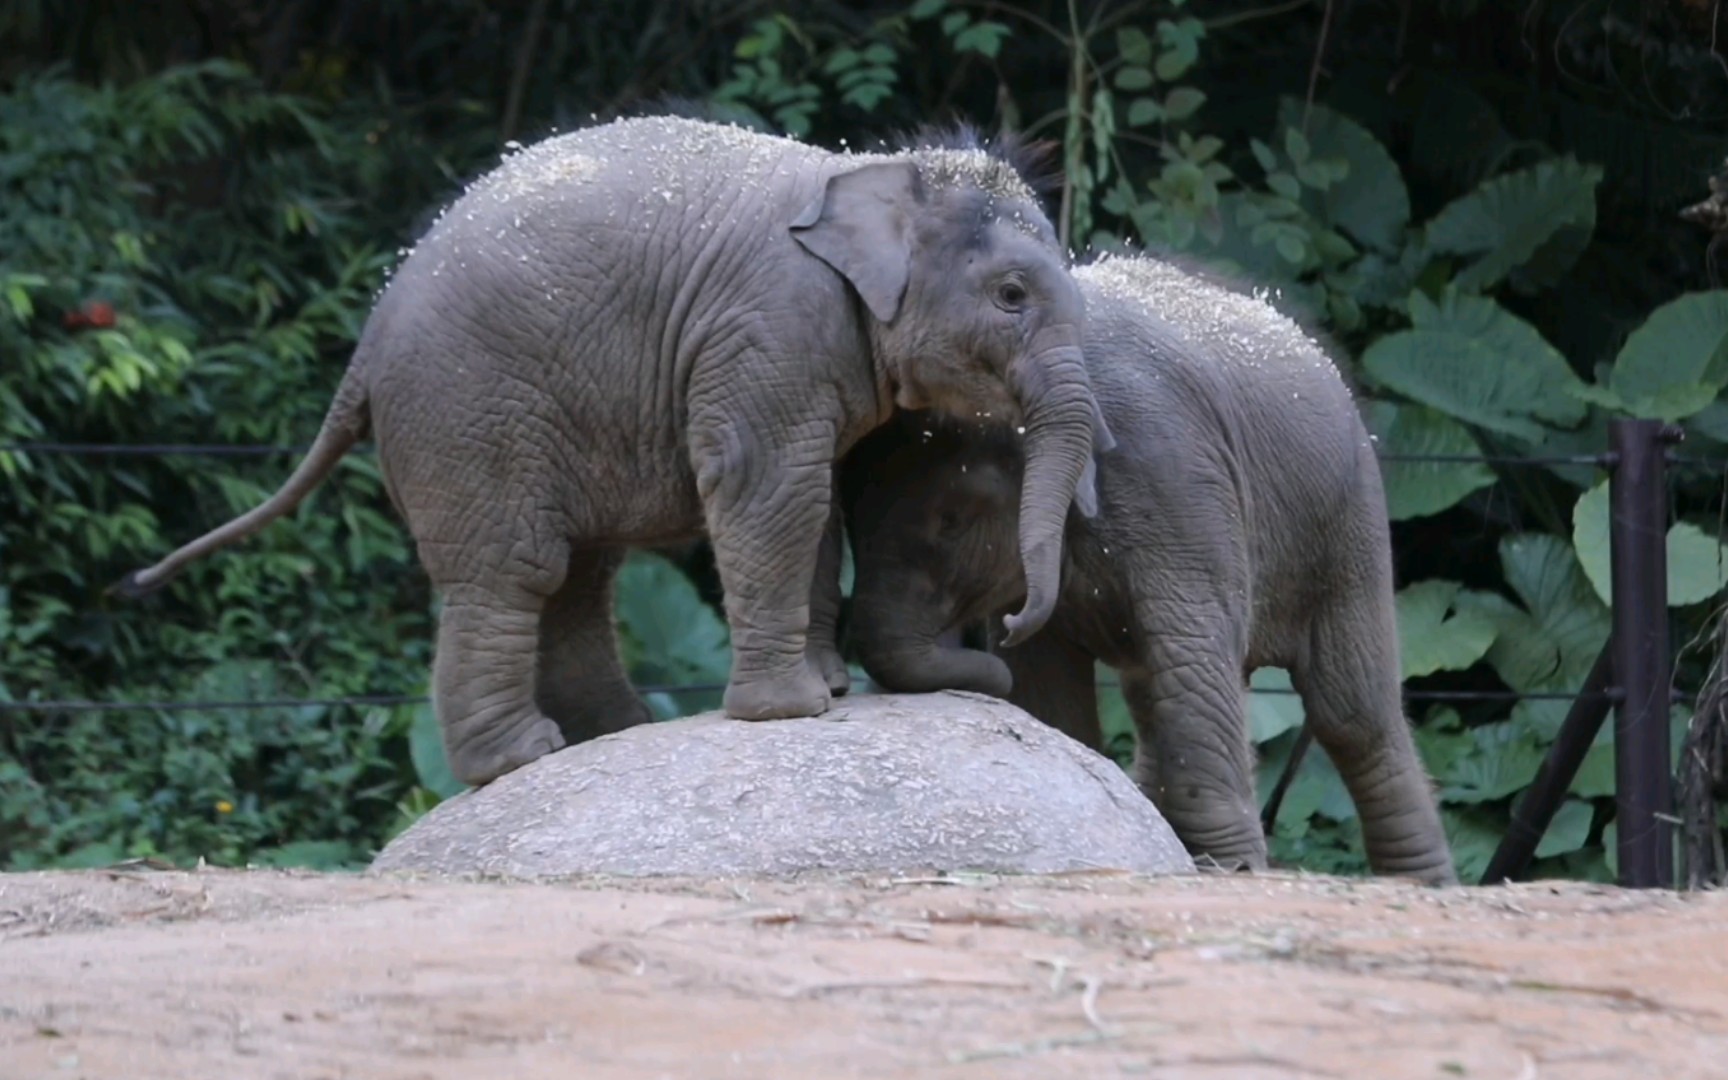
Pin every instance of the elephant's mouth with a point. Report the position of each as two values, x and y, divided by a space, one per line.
908 396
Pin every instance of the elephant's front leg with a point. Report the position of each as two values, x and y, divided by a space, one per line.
824 648
1194 759
766 491
581 682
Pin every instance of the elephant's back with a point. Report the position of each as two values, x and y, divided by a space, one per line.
1223 383
630 172
1226 356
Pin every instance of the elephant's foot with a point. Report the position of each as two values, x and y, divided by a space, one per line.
1435 875
481 754
1433 870
802 694
825 659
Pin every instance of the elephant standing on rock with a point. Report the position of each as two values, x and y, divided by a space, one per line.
1241 523
639 332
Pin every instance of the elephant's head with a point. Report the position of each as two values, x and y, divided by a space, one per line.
972 315
931 513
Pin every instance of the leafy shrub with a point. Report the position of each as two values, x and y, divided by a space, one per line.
222 227
1480 246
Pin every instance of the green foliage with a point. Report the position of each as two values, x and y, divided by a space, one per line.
1417 489
1475 361
1674 365
1528 226
1479 241
1697 562
219 223
1436 633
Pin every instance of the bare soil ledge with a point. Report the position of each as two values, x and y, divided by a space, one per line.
141 973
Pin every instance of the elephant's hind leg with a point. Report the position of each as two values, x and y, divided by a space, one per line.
1349 677
581 683
483 681
1349 683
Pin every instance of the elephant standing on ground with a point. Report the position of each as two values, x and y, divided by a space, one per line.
1241 523
643 331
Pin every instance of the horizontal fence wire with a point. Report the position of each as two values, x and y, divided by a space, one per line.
385 700
264 450
1602 460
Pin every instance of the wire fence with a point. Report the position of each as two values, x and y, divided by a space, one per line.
1598 460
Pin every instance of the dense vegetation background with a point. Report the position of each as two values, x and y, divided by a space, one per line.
1479 202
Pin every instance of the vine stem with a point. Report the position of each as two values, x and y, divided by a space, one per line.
519 77
1314 68
1076 116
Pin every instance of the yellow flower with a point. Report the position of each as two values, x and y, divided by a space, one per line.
223 806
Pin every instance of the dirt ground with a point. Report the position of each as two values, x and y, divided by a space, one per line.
143 973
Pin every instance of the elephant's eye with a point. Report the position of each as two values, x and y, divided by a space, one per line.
1010 296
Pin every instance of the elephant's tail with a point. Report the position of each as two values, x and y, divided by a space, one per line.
345 424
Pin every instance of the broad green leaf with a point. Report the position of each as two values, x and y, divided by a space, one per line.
1272 708
1501 760
1551 642
1473 834
1442 741
1590 539
1697 563
1419 488
1477 362
1434 635
1669 403
1569 829
426 750
1676 363
1370 201
1710 423
1542 216
680 638
1595 777
1316 790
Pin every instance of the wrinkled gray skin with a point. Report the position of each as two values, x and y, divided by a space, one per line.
1241 524
640 332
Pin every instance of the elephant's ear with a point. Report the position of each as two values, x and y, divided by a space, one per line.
1086 491
861 225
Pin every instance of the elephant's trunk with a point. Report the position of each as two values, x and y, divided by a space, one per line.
901 644
1061 418
919 664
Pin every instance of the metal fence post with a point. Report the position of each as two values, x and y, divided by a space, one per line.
1535 809
1643 666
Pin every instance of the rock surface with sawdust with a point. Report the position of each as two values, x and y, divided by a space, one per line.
890 782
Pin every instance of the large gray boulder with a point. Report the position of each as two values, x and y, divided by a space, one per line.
884 783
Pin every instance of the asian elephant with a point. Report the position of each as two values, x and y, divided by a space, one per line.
1241 523
659 328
